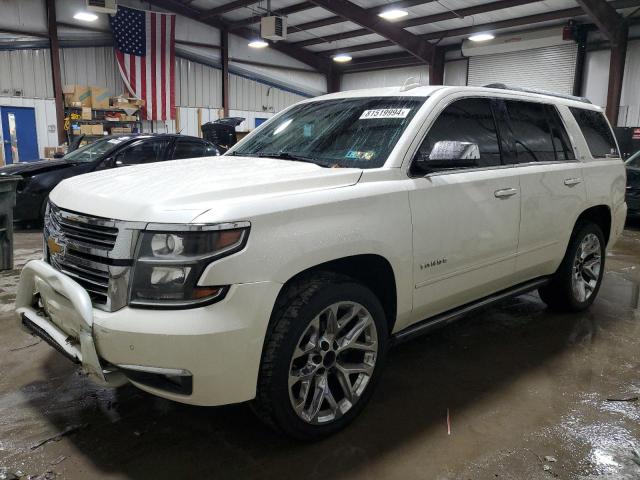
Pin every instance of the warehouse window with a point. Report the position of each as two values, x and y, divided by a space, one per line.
596 132
466 124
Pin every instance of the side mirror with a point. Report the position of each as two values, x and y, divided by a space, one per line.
58 155
448 155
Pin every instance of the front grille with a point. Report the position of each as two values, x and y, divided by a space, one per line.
93 280
86 231
95 252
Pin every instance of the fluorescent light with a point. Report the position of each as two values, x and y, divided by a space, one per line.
86 16
342 58
393 14
482 37
258 43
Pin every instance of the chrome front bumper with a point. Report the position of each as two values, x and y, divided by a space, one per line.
56 308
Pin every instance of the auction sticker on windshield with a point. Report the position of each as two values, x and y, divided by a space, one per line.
385 113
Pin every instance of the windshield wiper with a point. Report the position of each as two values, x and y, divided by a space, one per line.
282 155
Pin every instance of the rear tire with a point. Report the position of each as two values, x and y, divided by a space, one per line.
322 357
577 281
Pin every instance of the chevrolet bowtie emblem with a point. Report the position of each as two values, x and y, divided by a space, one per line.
54 247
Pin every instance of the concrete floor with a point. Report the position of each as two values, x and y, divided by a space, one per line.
527 391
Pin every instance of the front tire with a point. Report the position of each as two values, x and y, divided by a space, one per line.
577 281
322 357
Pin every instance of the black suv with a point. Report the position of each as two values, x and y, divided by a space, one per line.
39 178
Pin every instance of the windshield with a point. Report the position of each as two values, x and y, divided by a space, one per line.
352 132
95 150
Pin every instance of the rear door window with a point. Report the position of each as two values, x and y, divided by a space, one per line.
561 142
468 121
144 151
530 132
188 149
596 132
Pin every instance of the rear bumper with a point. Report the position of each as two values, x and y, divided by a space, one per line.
214 350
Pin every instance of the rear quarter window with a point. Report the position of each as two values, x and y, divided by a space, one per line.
596 132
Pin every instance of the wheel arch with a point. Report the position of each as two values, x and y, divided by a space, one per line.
601 216
372 270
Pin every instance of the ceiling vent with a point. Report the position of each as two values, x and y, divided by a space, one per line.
273 28
102 6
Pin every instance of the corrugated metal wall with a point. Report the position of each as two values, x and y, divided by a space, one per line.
391 77
197 85
28 71
547 68
252 96
91 66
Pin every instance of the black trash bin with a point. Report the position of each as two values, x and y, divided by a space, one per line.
7 202
222 132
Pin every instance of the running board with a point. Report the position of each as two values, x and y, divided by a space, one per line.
445 318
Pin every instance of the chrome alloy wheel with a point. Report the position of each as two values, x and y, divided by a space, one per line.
333 362
586 267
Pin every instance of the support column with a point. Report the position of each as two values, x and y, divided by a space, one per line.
333 81
578 76
224 49
436 70
54 48
616 74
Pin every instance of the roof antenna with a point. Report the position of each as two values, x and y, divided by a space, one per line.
409 84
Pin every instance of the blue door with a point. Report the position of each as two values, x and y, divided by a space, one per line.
19 137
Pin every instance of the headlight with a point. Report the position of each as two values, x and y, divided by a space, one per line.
170 260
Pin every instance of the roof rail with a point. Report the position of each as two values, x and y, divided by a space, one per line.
502 86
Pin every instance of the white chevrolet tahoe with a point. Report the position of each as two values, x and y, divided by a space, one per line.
282 271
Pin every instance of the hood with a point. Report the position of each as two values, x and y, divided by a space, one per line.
188 188
32 168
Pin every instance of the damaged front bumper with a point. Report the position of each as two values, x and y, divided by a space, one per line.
54 307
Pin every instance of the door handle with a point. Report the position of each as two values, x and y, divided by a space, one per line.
505 192
570 182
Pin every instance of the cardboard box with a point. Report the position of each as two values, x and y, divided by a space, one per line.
97 130
77 96
99 97
87 113
120 130
86 129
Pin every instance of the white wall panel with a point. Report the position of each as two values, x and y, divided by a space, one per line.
548 68
455 73
248 95
26 70
596 76
45 110
630 99
311 83
91 66
391 77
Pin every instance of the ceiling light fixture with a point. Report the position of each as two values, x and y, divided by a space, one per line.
342 58
482 37
258 43
393 14
86 16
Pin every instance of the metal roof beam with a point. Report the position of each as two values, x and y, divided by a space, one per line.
413 22
283 12
227 7
509 23
609 22
398 36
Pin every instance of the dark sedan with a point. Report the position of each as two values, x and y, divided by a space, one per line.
633 185
39 178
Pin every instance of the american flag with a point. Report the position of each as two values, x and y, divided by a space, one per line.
145 50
